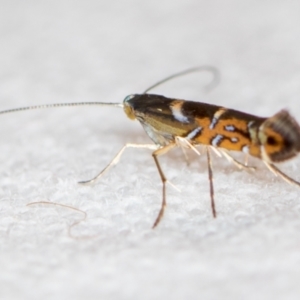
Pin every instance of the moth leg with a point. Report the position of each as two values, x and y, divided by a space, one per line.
186 158
116 159
285 177
236 162
163 178
211 185
185 143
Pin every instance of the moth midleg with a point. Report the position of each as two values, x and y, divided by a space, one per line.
163 178
211 185
186 157
116 159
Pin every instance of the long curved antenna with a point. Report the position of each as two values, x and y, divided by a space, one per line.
59 105
211 85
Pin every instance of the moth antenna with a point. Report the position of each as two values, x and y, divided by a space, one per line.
208 87
58 105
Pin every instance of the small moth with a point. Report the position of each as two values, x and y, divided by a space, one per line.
176 122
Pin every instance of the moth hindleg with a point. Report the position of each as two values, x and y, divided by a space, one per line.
285 177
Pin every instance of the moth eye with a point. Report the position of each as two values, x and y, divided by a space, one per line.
271 141
127 98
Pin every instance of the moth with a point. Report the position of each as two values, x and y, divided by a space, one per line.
171 123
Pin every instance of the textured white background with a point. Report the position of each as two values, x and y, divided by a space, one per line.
66 51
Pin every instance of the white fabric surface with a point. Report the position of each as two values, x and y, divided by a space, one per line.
68 51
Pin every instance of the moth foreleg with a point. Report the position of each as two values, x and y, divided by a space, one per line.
116 159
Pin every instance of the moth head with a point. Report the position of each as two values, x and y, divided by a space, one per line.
279 137
128 109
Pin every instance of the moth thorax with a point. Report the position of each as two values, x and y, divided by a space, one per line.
279 137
